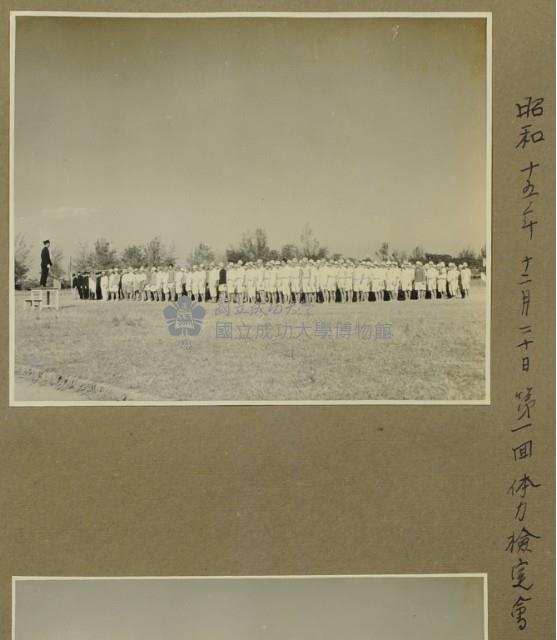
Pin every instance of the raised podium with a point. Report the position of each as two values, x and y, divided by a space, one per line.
44 299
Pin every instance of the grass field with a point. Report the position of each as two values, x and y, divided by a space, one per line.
384 351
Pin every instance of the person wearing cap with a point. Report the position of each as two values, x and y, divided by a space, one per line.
74 285
139 284
323 278
431 274
419 280
350 281
120 284
442 280
283 285
79 284
46 262
188 281
365 281
250 283
124 283
92 282
179 281
406 279
381 280
341 279
465 280
305 279
315 265
391 281
151 287
84 285
161 279
265 295
273 294
98 292
195 281
129 286
169 283
239 281
113 284
105 286
452 280
295 276
223 276
260 280
332 281
213 281
357 277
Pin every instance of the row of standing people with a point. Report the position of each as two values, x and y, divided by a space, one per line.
304 280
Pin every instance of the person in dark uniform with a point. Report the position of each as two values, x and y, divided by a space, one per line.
85 286
99 294
80 280
46 262
75 288
222 289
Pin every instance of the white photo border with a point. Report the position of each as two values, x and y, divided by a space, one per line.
328 576
487 15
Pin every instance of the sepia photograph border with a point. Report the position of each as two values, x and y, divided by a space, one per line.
487 15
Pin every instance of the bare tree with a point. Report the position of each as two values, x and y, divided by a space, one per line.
132 256
289 251
201 254
157 253
56 269
21 259
310 247
417 253
253 246
383 252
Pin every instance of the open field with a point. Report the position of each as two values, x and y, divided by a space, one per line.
383 351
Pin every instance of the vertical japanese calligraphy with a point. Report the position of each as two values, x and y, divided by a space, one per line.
521 541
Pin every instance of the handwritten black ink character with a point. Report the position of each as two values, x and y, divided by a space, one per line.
521 542
518 612
520 512
523 450
520 486
518 575
533 107
529 190
526 403
527 137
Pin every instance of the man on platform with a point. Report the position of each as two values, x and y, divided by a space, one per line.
46 262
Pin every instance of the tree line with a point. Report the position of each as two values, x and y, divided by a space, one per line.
253 245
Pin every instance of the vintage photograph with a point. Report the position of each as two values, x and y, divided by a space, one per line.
246 608
250 208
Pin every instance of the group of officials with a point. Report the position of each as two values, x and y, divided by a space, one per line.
280 281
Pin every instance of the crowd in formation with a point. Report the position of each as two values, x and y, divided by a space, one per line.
275 281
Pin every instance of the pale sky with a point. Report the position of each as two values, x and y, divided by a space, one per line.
244 609
201 129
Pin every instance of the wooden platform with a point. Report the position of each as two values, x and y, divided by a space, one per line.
43 299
